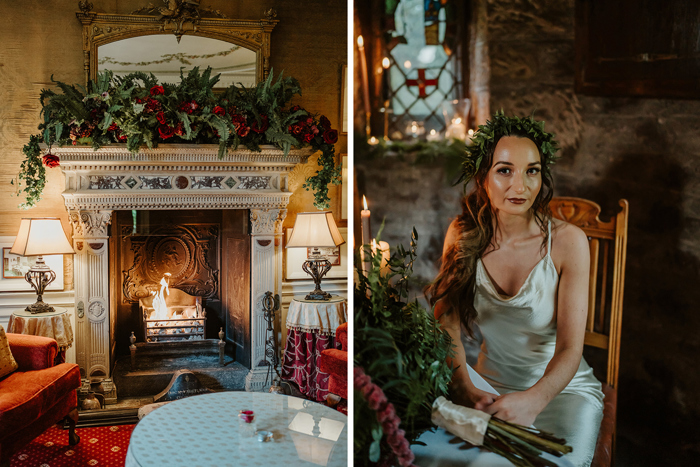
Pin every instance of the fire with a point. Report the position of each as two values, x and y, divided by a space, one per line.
161 309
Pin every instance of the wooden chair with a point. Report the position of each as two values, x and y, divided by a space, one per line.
608 245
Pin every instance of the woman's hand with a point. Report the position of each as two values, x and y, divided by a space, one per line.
516 407
474 398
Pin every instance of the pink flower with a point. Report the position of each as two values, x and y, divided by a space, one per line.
386 414
376 400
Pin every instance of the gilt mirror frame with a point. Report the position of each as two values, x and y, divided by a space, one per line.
103 28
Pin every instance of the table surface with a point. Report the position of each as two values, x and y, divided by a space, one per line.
205 431
333 299
27 314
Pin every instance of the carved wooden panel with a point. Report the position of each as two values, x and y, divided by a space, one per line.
189 253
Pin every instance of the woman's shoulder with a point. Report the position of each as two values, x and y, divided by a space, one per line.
569 242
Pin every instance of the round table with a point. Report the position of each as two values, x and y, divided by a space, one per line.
311 326
55 325
205 431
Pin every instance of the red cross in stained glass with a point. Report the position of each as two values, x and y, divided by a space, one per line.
421 82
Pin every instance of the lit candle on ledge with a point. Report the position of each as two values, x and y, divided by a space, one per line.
457 129
383 248
365 79
373 141
366 228
433 135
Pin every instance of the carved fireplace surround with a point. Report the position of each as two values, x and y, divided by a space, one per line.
170 177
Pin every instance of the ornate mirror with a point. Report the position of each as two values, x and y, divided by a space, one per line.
161 40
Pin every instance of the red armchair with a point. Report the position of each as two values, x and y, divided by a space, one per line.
37 395
335 363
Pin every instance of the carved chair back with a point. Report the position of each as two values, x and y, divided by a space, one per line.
608 249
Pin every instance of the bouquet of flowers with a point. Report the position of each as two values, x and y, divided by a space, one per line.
137 110
401 377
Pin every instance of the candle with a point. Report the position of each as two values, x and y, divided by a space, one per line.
384 250
366 229
457 129
373 141
386 63
433 135
365 79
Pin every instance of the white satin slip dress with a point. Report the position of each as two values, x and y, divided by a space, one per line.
519 337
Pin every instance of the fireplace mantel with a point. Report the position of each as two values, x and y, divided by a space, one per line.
176 177
170 177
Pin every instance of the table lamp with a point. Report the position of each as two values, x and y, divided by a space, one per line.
38 237
315 230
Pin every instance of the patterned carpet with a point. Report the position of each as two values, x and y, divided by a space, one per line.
103 446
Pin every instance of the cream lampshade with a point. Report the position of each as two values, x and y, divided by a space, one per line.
39 237
316 230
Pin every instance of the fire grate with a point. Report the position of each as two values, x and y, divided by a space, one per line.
172 315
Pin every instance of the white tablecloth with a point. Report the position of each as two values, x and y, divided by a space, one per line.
317 315
205 431
55 325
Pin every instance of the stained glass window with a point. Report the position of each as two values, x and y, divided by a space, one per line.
425 67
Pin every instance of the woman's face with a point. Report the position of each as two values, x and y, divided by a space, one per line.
514 179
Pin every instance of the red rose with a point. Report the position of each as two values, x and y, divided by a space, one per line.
330 136
166 131
189 107
308 137
324 122
262 127
297 128
218 110
157 91
179 129
309 121
296 108
50 160
113 127
243 131
153 105
161 118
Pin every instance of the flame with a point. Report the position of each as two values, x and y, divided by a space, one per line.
364 201
386 62
159 306
360 41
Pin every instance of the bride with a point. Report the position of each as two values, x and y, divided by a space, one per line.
522 277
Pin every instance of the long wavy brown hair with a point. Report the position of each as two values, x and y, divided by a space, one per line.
476 226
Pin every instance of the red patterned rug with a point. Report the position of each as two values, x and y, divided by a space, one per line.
103 446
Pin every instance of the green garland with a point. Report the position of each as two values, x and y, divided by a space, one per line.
135 109
486 135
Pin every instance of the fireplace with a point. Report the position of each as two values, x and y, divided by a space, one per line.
226 214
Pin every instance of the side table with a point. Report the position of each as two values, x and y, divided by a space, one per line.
55 325
311 326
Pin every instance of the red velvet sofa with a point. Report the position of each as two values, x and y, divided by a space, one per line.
335 363
36 395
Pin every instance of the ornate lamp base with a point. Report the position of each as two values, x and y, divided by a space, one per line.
317 268
39 277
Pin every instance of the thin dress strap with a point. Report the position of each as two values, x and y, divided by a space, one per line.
549 238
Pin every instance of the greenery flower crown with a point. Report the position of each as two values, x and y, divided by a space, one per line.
486 136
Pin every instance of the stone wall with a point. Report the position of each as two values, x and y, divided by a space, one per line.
644 150
39 40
